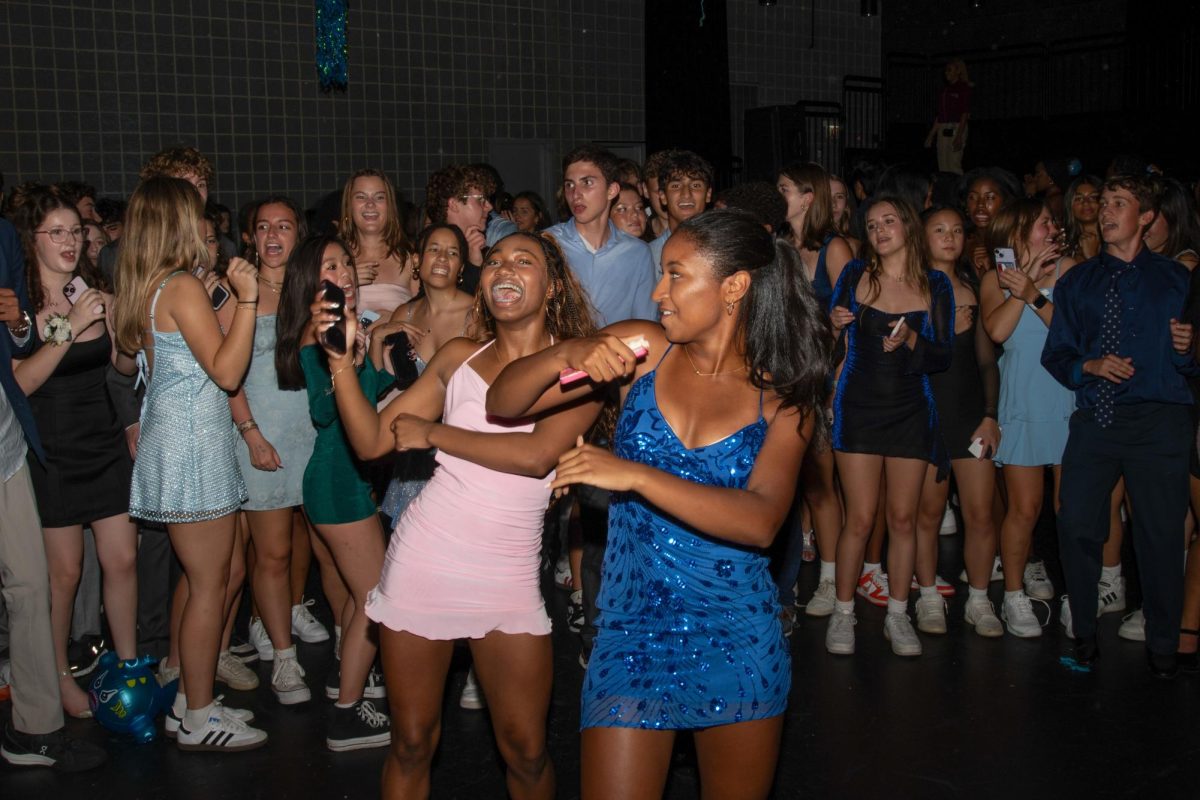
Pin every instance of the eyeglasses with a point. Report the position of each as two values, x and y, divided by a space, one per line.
480 197
60 235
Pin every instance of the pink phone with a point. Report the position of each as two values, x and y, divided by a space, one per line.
74 289
637 344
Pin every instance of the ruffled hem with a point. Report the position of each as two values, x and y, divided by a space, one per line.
443 625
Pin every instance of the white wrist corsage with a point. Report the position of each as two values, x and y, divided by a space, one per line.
57 330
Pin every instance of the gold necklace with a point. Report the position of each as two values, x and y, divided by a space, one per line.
270 284
708 374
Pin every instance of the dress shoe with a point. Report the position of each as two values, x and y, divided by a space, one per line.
1086 651
1162 665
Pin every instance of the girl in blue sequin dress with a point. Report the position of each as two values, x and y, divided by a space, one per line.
714 425
186 474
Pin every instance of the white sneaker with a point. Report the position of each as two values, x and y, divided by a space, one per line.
221 731
821 603
839 636
931 614
471 698
1037 582
949 523
305 626
1019 617
234 673
261 641
287 680
997 572
898 629
982 615
1133 627
166 674
562 572
171 722
1111 596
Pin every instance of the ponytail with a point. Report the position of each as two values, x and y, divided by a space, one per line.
787 335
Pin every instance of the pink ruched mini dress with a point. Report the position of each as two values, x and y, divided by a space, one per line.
465 556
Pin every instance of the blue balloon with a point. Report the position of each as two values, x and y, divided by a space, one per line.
125 696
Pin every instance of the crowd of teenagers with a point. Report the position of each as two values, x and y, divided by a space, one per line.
664 403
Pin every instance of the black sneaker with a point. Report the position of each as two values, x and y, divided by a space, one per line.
84 655
55 750
575 611
358 727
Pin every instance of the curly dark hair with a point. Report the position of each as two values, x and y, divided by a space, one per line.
36 202
175 162
454 180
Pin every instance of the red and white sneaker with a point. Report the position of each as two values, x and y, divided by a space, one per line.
873 586
944 587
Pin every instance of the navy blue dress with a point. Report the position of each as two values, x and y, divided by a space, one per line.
688 626
884 403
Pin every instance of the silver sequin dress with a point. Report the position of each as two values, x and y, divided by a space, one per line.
186 468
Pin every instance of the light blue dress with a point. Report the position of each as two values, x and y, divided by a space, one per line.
1035 409
283 419
186 470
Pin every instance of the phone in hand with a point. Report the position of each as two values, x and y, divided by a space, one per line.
977 449
74 289
403 367
367 318
219 296
1005 258
334 337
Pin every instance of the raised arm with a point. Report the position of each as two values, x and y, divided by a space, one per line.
530 385
223 357
750 516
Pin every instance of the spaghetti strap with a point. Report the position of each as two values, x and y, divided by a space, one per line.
664 355
154 302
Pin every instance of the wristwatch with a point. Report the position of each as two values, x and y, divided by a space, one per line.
21 330
1040 302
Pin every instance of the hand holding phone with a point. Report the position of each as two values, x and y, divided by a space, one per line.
74 289
1005 258
334 337
368 318
638 344
403 367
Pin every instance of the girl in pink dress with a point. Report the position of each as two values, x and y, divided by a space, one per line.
464 560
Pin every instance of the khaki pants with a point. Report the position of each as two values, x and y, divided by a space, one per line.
25 582
949 159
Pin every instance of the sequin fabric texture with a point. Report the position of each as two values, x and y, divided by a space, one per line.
688 629
186 468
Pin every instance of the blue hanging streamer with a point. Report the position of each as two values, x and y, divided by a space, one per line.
333 68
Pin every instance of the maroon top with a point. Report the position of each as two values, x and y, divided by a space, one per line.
953 101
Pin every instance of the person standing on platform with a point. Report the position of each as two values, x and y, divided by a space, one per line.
950 124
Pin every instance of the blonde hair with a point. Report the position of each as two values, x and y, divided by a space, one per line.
960 68
163 234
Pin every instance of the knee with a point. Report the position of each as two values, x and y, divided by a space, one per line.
272 560
901 523
122 563
859 525
524 753
412 746
1024 511
64 575
979 521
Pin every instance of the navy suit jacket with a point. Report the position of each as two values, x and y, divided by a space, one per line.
12 276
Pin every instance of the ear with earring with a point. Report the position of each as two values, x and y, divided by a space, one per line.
729 309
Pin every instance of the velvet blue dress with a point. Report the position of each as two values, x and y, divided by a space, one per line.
688 632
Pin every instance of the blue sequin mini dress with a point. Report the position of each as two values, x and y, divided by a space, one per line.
688 632
186 468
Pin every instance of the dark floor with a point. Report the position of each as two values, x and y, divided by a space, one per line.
970 718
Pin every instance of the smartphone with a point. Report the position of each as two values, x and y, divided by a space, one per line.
76 287
334 336
977 449
219 296
403 367
1005 258
367 318
199 271
896 328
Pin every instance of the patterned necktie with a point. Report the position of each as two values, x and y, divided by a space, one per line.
1110 340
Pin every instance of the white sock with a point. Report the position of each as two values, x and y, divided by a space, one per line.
180 705
975 595
929 591
828 570
897 606
869 567
844 606
289 652
343 705
195 718
1013 595
1110 574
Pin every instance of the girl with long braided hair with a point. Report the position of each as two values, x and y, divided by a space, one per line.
464 562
